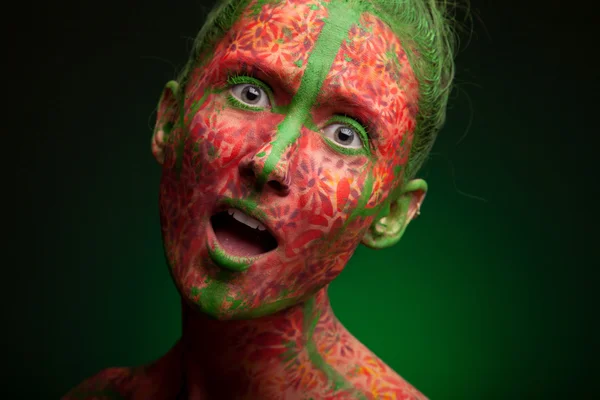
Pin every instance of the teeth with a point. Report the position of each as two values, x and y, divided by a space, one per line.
244 219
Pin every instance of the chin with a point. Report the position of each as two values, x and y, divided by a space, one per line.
203 307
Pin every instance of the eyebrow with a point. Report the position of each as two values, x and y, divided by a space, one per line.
356 109
342 103
258 68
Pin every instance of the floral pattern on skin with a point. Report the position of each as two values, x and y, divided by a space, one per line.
216 153
210 128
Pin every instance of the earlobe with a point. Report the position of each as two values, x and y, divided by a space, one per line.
388 230
166 118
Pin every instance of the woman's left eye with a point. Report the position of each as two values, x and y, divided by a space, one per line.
251 95
343 135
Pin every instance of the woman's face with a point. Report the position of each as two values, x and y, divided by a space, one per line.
289 141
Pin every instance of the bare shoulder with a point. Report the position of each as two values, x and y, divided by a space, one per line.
158 380
364 371
376 380
382 382
109 384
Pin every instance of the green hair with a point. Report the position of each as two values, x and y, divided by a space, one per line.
425 30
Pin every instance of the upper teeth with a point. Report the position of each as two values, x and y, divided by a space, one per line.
244 219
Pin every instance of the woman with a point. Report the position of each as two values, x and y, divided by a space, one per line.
293 134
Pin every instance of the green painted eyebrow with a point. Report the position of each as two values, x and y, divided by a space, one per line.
241 65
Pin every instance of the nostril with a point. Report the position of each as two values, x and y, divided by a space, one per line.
278 186
246 172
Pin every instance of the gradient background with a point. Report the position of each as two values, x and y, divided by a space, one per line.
489 295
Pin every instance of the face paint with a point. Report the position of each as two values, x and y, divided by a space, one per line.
296 131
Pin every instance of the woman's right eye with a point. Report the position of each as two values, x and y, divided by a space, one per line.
251 95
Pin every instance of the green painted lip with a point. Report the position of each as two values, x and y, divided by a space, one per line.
227 261
249 207
218 254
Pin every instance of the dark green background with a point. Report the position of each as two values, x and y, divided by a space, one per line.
482 299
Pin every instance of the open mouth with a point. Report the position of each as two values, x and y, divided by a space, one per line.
240 235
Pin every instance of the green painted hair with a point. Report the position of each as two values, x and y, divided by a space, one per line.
425 30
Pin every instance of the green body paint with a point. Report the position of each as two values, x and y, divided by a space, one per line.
212 151
367 191
384 209
259 4
217 254
269 309
237 264
184 119
380 212
250 207
167 128
197 104
309 123
291 351
360 209
338 382
169 106
394 57
213 295
334 32
235 304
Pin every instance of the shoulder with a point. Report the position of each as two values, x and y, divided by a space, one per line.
158 380
109 384
140 383
376 380
366 373
385 383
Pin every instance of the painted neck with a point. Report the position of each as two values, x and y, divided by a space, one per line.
237 356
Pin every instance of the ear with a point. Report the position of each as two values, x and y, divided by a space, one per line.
166 119
388 230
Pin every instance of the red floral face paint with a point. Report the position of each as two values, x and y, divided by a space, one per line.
291 139
287 144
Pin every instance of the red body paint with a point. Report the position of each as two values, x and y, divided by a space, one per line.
299 352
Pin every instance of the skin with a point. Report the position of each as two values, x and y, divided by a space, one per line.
262 327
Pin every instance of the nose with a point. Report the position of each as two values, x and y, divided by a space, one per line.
265 168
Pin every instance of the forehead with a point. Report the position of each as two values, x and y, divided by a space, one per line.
279 37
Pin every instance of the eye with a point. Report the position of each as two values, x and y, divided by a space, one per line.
250 95
343 135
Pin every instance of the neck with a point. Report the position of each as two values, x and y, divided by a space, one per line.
232 358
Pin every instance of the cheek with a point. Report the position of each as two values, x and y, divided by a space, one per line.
221 136
331 192
321 219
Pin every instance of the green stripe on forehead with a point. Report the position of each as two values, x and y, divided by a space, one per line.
340 18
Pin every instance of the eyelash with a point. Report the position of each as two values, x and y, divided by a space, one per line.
242 74
246 75
363 126
237 79
360 130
